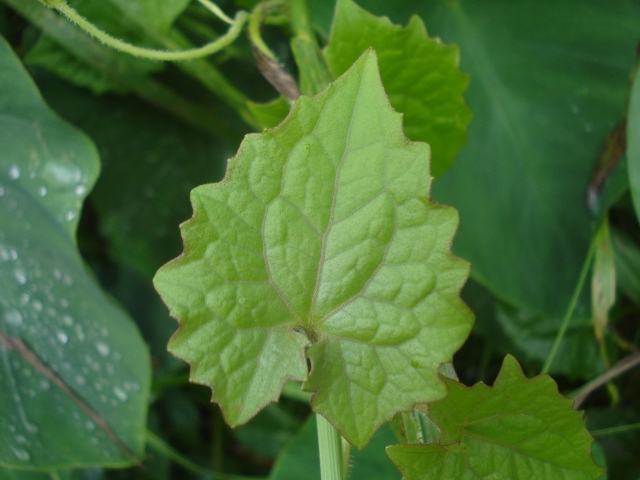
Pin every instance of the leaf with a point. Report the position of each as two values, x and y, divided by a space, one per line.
633 142
321 240
520 428
627 264
420 76
139 203
155 14
47 54
533 335
547 87
270 114
74 372
603 280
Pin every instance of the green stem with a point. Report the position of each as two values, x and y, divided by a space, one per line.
300 19
153 54
255 23
314 73
330 445
613 430
570 308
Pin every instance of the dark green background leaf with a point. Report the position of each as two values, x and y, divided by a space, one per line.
633 142
52 304
547 85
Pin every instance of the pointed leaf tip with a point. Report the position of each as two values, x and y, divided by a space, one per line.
322 235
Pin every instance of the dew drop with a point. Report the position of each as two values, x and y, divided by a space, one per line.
103 349
120 394
69 215
44 385
21 454
37 305
13 317
21 439
1 191
20 275
4 254
67 320
24 298
89 425
63 338
42 191
14 172
80 189
80 380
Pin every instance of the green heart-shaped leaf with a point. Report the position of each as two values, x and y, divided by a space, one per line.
321 238
520 428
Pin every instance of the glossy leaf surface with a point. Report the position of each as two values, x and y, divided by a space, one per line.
420 75
520 428
633 142
74 372
322 242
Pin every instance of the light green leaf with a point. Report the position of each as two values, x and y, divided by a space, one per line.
420 76
633 142
321 240
518 429
74 372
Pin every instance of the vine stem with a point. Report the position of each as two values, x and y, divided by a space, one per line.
570 308
330 445
153 54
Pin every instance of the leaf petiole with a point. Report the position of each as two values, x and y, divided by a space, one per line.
330 446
